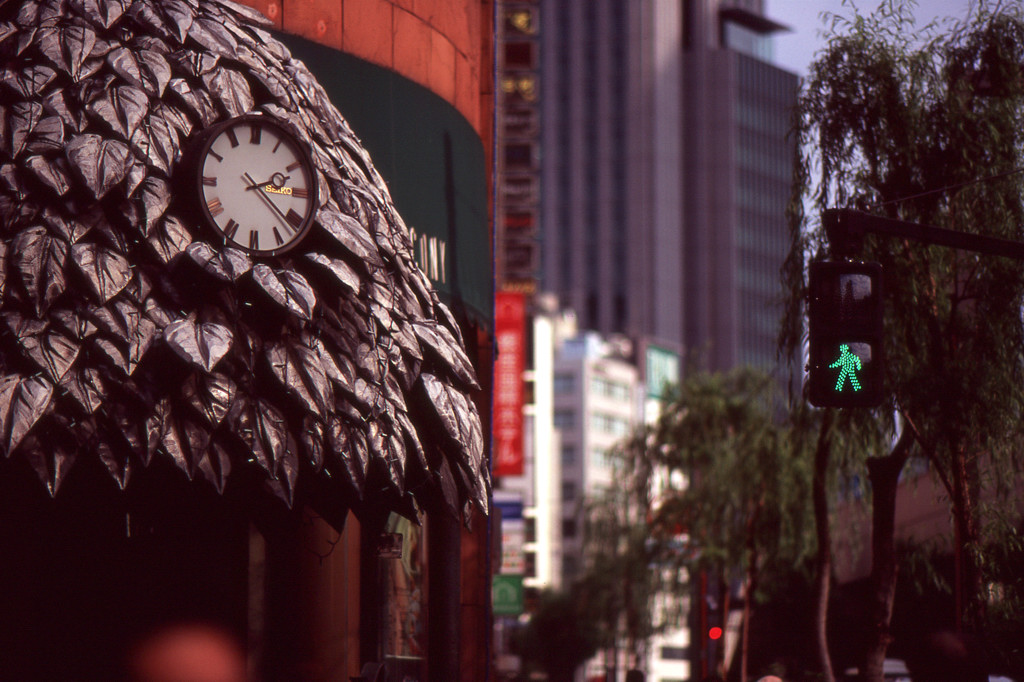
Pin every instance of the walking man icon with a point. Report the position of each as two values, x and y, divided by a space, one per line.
850 365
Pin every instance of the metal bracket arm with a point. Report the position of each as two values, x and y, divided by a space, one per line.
846 228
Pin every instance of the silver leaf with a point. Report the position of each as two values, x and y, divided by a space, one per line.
86 386
48 136
112 353
52 351
231 90
289 289
8 389
51 173
155 197
201 344
124 64
28 405
77 325
77 43
350 234
123 108
197 100
22 119
215 466
313 441
285 366
341 270
140 341
39 258
156 69
107 272
247 14
180 16
225 264
107 12
444 346
186 442
211 395
349 448
450 406
101 162
118 464
169 239
50 464
213 37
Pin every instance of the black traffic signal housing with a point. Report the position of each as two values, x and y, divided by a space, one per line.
846 326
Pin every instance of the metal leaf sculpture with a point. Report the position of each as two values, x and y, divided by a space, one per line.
129 330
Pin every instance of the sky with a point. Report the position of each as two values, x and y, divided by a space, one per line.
795 50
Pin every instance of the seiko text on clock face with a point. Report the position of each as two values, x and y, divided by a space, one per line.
257 185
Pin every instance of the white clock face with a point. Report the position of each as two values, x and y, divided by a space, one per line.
257 185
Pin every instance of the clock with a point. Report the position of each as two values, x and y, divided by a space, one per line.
256 185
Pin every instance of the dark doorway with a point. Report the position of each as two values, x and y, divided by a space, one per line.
83 573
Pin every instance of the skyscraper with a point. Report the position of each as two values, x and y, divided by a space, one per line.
665 171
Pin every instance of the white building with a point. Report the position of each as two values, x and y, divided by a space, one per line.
597 404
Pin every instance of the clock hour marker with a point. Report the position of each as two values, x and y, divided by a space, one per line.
300 192
274 150
230 132
277 237
292 166
294 218
214 207
230 229
216 155
254 240
209 182
255 133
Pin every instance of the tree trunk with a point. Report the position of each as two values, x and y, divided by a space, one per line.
884 473
823 579
970 603
748 598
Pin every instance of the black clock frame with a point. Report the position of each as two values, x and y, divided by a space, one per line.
195 184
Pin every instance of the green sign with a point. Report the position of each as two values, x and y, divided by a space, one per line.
848 364
433 162
507 595
662 371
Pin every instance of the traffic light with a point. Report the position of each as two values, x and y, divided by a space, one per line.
845 367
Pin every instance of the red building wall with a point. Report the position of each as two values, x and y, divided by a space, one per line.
444 45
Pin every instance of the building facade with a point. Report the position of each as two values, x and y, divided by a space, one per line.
596 405
665 172
197 466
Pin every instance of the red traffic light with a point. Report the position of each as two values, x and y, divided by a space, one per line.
715 632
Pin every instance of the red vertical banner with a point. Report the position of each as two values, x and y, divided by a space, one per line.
510 333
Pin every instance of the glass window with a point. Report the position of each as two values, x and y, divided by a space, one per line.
564 419
675 653
564 383
568 491
568 528
601 457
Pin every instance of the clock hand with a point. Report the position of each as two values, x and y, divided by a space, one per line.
268 202
273 182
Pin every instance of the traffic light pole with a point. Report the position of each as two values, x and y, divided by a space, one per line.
846 228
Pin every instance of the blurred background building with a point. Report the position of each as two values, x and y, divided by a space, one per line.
643 170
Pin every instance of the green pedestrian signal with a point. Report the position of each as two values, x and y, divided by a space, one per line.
845 327
850 365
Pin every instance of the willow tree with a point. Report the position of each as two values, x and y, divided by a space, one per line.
716 487
924 126
745 502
